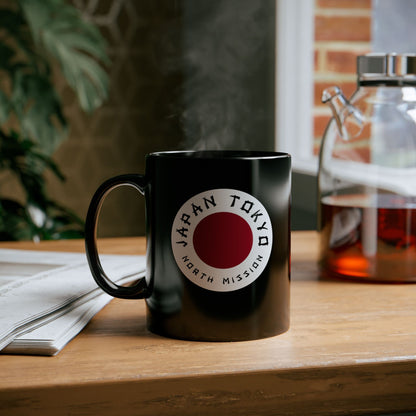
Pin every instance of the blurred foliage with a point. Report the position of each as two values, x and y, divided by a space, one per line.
36 38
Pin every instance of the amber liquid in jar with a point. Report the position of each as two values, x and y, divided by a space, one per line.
370 238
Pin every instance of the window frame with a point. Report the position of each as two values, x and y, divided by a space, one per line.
294 83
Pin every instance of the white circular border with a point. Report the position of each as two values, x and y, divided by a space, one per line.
226 200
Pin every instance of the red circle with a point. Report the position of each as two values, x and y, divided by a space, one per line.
223 240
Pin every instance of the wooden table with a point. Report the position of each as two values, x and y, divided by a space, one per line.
351 350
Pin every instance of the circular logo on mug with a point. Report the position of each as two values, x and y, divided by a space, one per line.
222 239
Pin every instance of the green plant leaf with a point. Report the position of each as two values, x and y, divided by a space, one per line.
39 217
34 34
61 32
22 158
4 107
39 110
10 21
14 222
6 55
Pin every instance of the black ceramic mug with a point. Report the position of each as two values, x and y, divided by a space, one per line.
218 243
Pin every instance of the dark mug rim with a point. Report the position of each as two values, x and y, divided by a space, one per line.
220 154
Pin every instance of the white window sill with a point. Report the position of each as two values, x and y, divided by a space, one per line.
305 166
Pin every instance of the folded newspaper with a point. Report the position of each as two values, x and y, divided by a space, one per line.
46 298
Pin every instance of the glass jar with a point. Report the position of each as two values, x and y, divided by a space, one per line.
367 174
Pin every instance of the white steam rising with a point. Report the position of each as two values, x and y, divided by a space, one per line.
226 45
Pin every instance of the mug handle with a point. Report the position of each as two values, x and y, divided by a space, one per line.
140 289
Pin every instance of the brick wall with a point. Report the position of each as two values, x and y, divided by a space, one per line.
342 32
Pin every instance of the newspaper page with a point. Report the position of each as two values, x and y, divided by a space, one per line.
46 298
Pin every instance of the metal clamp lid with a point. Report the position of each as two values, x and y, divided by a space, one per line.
390 66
